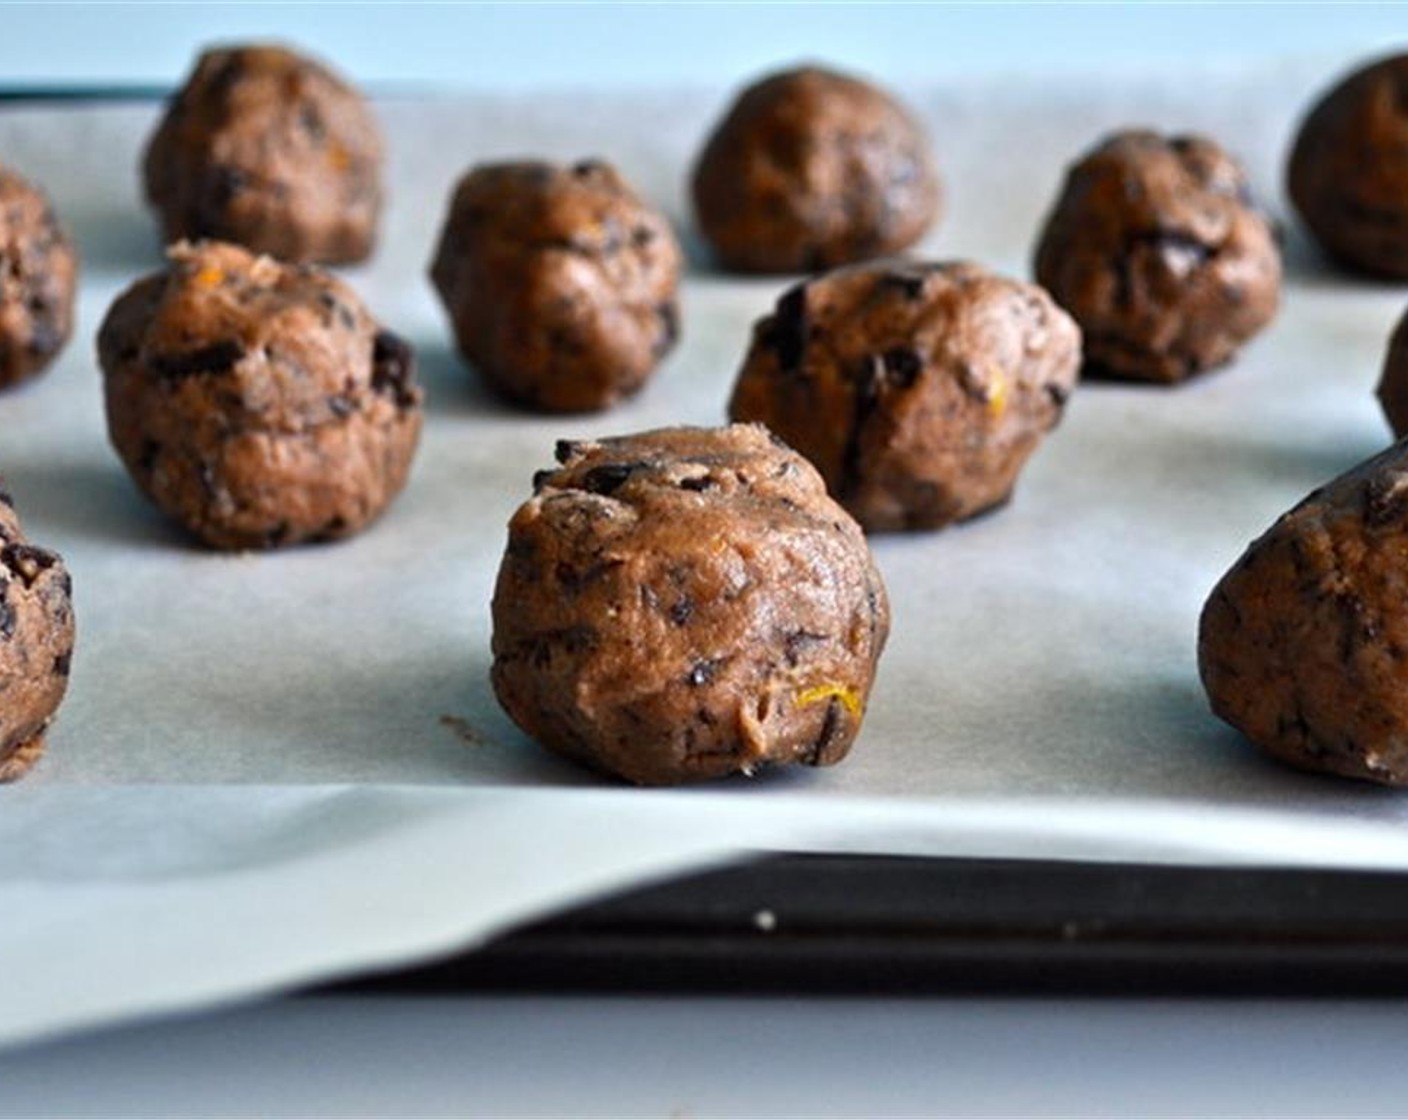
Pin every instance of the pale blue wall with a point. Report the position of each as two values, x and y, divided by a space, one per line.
513 46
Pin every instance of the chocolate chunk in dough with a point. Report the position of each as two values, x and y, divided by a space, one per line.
561 284
257 403
918 390
1157 250
811 169
1348 172
685 604
1303 645
36 643
38 273
268 149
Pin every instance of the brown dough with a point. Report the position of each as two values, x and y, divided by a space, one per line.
561 284
1348 172
918 390
1157 250
811 169
37 280
1393 382
1303 645
685 604
271 150
36 643
257 403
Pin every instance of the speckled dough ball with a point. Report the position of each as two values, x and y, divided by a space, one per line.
1348 173
561 284
918 390
1303 645
1393 382
36 283
811 169
686 604
1157 250
270 150
36 643
257 403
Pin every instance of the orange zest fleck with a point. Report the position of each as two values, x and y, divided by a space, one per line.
817 693
997 395
209 276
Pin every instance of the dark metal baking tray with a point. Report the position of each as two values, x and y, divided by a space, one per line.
903 926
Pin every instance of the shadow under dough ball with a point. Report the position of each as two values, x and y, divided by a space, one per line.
1303 644
686 604
37 283
1348 172
812 169
257 403
268 149
561 284
36 643
1157 250
918 390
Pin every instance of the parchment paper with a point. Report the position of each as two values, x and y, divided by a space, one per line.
276 768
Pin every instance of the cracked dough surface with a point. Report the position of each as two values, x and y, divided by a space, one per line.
1348 171
1156 249
37 281
271 150
811 169
1303 644
918 390
257 403
36 643
685 604
561 284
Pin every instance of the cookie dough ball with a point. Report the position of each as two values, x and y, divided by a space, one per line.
1157 250
918 390
685 604
270 150
1303 645
36 282
1348 174
1393 383
561 284
36 643
257 403
812 169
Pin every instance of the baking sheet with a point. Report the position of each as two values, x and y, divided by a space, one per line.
276 768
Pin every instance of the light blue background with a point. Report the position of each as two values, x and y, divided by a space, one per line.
512 47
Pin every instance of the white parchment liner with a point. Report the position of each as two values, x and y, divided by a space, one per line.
278 768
